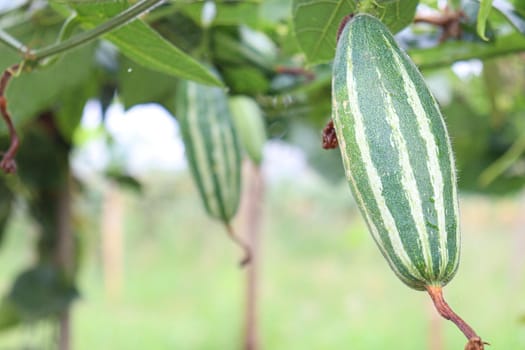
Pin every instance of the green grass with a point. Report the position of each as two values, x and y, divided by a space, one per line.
324 284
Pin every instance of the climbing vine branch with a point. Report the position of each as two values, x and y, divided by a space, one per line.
32 58
8 164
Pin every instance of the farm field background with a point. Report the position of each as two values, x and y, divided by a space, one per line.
324 284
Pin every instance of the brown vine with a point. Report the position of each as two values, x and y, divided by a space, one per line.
246 248
449 21
474 341
295 71
8 163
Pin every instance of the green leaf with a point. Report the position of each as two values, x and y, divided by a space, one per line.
450 52
33 92
41 292
142 44
273 11
316 22
483 14
315 25
395 14
138 84
228 12
71 106
246 80
8 315
511 13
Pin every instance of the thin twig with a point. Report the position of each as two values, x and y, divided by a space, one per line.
119 20
296 71
8 163
247 251
12 42
436 293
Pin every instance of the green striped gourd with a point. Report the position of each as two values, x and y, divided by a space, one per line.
212 148
398 160
248 120
396 153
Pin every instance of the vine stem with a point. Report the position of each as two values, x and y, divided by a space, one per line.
84 37
245 247
436 293
11 42
8 164
31 58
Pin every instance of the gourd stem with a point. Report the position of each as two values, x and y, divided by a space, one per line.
247 251
436 293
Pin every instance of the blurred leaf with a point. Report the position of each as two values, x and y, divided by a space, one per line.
483 14
245 80
327 163
138 84
41 89
316 22
71 107
41 161
181 30
41 292
477 145
511 13
124 180
144 45
9 316
229 49
452 51
228 12
6 202
503 163
275 10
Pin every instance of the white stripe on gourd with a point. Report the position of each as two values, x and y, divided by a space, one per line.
200 154
432 151
374 178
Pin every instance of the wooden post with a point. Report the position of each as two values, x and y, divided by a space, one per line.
65 254
251 215
435 332
111 231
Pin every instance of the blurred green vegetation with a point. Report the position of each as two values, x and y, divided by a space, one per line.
324 284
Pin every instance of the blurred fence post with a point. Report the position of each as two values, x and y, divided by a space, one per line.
435 329
112 241
518 242
250 216
65 254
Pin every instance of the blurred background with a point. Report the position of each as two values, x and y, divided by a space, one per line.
105 243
